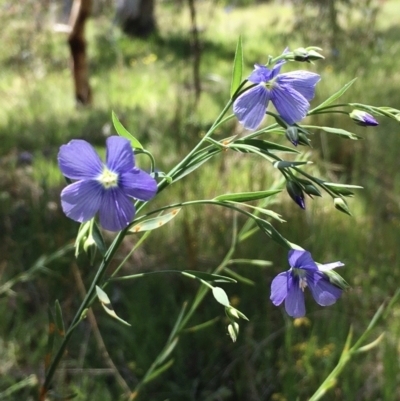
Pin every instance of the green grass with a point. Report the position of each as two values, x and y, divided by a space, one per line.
148 83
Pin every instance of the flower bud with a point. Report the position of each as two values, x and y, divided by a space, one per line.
312 190
233 331
296 193
90 248
363 118
292 134
341 205
309 188
306 55
336 279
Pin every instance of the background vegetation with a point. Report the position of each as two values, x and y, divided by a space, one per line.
149 84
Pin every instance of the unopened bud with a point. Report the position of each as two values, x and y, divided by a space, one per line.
292 134
296 193
363 118
306 55
341 205
233 331
90 248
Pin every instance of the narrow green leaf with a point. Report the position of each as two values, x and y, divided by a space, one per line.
195 163
334 97
220 296
158 371
59 319
246 196
210 277
61 397
270 147
98 239
239 277
106 304
156 222
341 132
50 339
336 185
122 131
286 164
167 351
254 262
261 210
201 326
237 67
160 174
371 345
270 230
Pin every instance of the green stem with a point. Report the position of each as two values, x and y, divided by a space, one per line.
111 252
85 303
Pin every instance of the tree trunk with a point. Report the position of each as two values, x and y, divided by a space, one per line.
136 17
77 43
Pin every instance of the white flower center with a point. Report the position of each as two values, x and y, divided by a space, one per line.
108 178
301 273
271 84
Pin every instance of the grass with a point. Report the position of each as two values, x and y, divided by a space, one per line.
148 84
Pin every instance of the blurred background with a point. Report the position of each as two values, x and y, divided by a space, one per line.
164 68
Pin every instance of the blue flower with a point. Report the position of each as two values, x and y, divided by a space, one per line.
104 188
363 118
290 94
289 286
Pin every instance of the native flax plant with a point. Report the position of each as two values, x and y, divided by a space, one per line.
108 188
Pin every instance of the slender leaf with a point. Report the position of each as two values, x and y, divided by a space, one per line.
237 67
201 326
270 230
106 304
340 132
239 277
158 371
267 146
59 319
50 339
98 239
246 196
156 222
254 262
334 97
335 185
167 351
286 164
209 276
195 163
122 131
220 296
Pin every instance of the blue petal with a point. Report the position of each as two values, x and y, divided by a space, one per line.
277 68
81 200
261 74
120 156
294 302
322 290
250 106
301 81
279 288
301 260
138 184
78 160
290 104
116 210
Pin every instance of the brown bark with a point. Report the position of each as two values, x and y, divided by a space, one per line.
77 43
